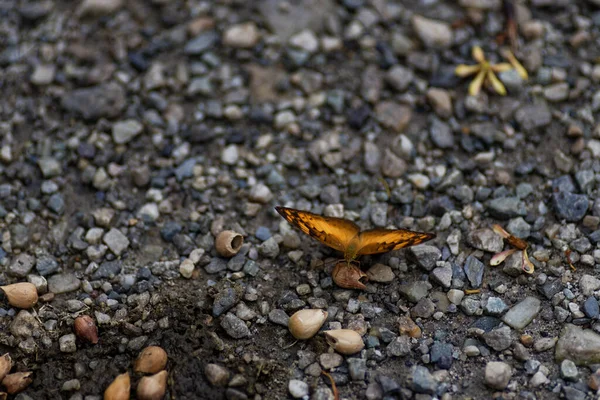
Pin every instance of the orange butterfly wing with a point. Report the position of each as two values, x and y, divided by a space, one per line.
333 232
376 241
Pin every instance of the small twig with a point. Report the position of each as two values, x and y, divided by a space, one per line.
336 395
385 185
510 23
568 255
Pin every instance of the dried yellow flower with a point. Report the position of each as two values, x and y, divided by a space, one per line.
485 71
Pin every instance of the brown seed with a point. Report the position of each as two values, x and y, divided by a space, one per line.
119 388
17 382
151 360
344 341
228 243
86 328
152 387
304 324
21 295
5 365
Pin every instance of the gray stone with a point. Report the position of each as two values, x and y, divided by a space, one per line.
470 306
474 271
399 77
116 241
56 203
519 227
201 43
423 381
279 317
441 134
551 287
588 284
124 131
224 301
582 346
46 265
215 265
399 347
568 370
433 33
507 207
497 374
495 306
357 367
330 360
235 327
269 248
443 276
498 339
50 167
43 74
392 115
298 389
106 100
380 273
591 309
570 206
216 374
557 92
485 239
521 314
415 291
533 116
426 255
63 283
24 324
68 343
21 265
244 36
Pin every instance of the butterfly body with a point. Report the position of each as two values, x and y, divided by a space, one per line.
345 236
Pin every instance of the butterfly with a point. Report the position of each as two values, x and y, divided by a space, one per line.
345 236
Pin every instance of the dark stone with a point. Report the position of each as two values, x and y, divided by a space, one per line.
107 270
102 101
169 230
474 271
486 323
550 288
357 117
569 206
591 308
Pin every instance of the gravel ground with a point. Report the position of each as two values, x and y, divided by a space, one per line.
132 133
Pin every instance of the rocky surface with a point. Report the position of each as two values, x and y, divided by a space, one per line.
133 133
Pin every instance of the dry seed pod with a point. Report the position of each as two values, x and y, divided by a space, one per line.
86 328
228 243
304 324
349 276
17 382
151 360
21 295
119 388
152 387
5 365
344 341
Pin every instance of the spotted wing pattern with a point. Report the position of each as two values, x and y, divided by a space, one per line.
333 232
376 241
